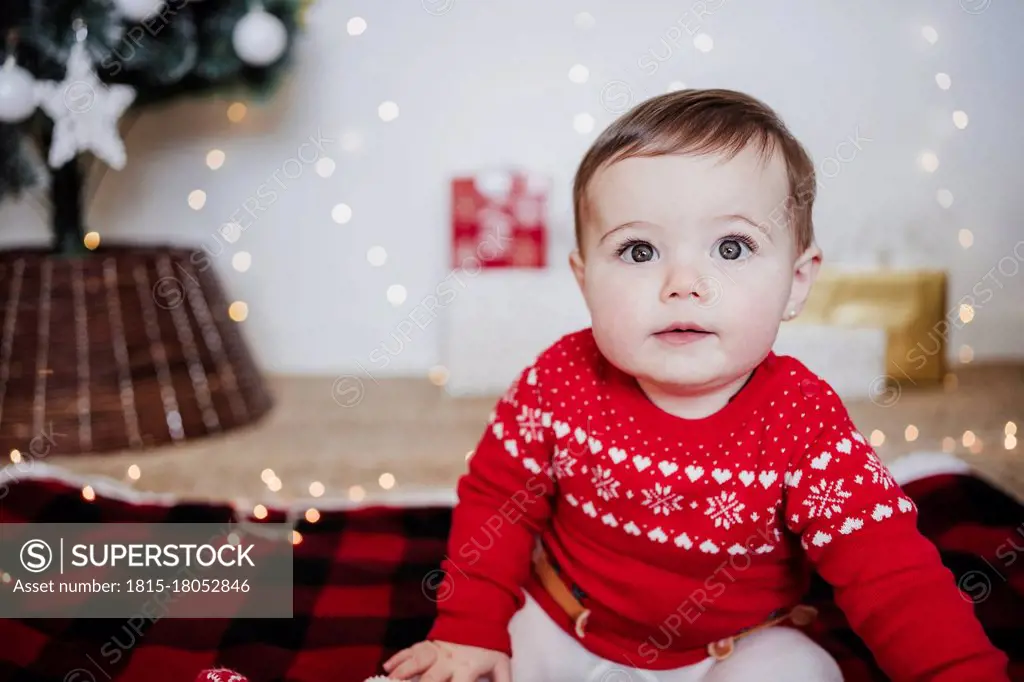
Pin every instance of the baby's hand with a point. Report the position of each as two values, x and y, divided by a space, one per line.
443 661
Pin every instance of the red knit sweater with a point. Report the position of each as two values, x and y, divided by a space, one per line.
680 532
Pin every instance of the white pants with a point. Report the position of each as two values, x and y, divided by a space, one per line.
543 652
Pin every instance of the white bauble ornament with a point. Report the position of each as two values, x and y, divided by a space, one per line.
138 10
85 113
17 93
260 38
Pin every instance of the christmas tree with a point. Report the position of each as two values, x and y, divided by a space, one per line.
74 67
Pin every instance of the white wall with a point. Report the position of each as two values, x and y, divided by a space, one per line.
483 83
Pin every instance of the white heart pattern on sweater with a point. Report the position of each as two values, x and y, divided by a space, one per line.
747 477
683 540
721 475
821 539
850 525
882 511
561 429
844 446
618 455
767 478
668 468
821 461
693 473
641 462
658 535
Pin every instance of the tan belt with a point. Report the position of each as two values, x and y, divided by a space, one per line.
800 615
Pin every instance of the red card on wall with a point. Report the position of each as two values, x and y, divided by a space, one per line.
499 218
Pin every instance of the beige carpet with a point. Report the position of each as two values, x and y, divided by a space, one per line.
418 434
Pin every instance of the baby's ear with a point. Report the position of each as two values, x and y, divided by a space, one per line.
576 263
805 272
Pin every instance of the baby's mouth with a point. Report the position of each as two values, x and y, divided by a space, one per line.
682 334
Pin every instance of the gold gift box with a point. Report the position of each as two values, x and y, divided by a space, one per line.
910 305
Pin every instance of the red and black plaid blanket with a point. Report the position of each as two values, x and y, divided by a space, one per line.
363 591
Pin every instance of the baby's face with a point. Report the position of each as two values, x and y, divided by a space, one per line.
687 266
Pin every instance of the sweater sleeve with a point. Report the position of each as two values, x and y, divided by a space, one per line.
860 532
504 501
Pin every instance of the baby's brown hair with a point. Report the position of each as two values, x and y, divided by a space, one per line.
703 122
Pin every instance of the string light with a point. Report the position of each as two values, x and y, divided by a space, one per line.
296 537
215 159
231 232
388 111
15 456
259 511
960 119
675 85
88 494
877 438
241 261
969 439
134 472
274 485
966 354
910 433
703 42
396 294
376 256
356 26
948 444
325 167
197 199
387 481
356 493
583 123
91 240
1010 429
6 577
238 311
579 73
929 162
468 455
312 515
1010 442
316 488
966 313
585 21
438 375
943 80
944 197
341 213
976 447
930 34
237 112
267 475
966 238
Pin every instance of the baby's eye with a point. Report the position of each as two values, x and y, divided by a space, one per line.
735 248
638 252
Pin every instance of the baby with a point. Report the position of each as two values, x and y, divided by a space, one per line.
651 493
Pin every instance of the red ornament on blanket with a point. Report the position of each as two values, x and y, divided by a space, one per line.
499 220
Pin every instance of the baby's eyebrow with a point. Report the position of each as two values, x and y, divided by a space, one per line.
731 217
623 226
